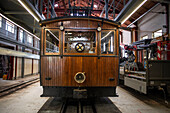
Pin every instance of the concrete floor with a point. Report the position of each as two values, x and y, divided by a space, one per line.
28 100
134 102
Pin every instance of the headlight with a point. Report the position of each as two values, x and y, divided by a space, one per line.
80 77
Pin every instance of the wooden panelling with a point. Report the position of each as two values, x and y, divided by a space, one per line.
62 70
36 66
19 68
27 66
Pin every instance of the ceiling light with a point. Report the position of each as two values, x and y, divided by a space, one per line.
95 6
23 4
56 5
133 11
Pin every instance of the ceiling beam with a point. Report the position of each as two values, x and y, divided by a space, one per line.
143 14
103 9
161 1
16 12
106 8
127 10
64 4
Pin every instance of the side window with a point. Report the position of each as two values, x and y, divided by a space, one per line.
29 39
9 26
80 42
21 35
107 42
52 41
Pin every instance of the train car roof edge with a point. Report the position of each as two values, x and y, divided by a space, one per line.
79 17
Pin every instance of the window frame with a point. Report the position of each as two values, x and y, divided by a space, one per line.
44 43
96 36
114 44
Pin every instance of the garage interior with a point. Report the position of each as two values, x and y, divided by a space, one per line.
144 53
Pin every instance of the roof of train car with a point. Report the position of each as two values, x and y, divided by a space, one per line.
80 17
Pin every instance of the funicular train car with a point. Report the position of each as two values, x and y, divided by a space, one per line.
79 57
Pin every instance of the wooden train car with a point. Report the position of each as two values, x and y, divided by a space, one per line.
79 57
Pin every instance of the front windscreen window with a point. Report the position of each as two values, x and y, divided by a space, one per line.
52 41
80 42
107 42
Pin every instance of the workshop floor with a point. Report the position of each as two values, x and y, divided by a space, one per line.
28 100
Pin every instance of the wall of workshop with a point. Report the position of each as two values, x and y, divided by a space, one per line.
36 66
126 37
19 67
151 22
27 67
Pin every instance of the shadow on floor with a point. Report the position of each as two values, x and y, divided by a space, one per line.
102 105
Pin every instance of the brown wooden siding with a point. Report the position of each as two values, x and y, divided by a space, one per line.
62 70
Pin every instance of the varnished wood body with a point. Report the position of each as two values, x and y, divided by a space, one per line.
62 70
100 69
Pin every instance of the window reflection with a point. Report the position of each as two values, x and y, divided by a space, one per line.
107 42
80 42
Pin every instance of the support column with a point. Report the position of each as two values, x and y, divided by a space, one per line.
16 50
23 59
33 59
106 9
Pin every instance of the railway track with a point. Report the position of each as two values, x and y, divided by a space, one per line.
60 105
18 86
78 106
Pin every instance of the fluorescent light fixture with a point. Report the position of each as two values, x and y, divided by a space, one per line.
95 6
18 26
106 35
56 5
22 3
133 11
